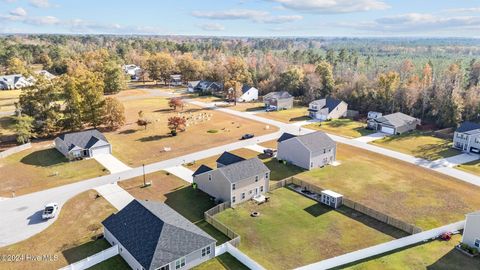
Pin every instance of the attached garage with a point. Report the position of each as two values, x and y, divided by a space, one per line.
83 144
388 130
100 150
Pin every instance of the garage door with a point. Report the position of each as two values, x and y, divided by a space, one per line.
100 150
388 130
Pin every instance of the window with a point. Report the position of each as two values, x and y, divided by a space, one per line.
266 175
477 243
205 251
180 263
233 199
209 177
243 195
261 188
477 140
250 192
233 186
165 267
256 178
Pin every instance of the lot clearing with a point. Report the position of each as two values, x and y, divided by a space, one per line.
71 237
135 146
342 127
43 167
290 222
419 144
433 255
405 191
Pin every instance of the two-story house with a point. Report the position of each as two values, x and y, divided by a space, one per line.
234 182
327 108
276 101
467 137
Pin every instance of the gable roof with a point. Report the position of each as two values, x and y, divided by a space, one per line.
467 126
396 119
202 169
246 88
228 158
328 102
278 95
316 142
154 234
83 139
242 170
285 136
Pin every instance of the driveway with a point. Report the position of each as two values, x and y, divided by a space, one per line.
111 163
371 137
256 148
116 195
455 160
181 172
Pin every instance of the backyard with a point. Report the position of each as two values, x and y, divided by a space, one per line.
71 237
136 145
342 127
43 167
222 262
419 144
405 191
295 114
290 222
433 255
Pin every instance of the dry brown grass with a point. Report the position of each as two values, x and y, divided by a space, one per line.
135 146
70 237
43 167
295 114
270 144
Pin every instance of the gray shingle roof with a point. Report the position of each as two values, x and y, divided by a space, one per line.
397 119
278 95
285 136
242 170
155 234
330 103
467 126
83 139
316 142
228 158
202 169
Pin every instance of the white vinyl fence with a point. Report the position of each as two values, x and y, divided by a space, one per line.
382 248
235 252
16 149
93 260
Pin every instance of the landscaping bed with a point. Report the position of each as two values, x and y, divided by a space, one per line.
342 127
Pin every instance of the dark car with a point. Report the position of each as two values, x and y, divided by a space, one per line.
247 136
270 152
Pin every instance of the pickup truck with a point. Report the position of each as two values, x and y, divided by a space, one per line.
50 211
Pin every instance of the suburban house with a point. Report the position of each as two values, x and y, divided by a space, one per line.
15 81
471 232
395 123
467 137
234 182
228 158
327 108
374 115
47 75
176 80
151 235
83 144
133 71
278 101
192 85
208 87
313 150
249 93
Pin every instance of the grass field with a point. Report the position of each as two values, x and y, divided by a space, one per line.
293 230
246 106
342 127
419 144
295 114
433 255
470 167
402 190
222 262
70 237
134 145
177 194
270 144
43 167
8 99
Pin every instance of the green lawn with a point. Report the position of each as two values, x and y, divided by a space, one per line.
116 262
434 255
342 127
295 114
470 167
419 144
222 262
405 191
280 171
293 230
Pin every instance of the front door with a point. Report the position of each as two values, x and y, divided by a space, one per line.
256 191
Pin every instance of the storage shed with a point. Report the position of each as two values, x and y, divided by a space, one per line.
331 198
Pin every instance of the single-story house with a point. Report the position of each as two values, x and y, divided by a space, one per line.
249 93
395 123
327 108
471 232
151 235
236 182
15 81
467 137
133 71
176 80
278 101
208 87
313 150
83 144
192 85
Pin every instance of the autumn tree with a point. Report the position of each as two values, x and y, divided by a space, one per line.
237 74
176 123
114 114
327 83
191 69
113 78
160 66
388 84
16 66
23 128
91 89
175 103
292 81
142 122
447 105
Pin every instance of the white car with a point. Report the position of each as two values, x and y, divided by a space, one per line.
50 210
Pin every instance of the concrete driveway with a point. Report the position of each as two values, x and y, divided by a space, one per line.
256 148
455 160
371 137
111 163
116 195
181 172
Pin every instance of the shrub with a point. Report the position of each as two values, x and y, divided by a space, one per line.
212 131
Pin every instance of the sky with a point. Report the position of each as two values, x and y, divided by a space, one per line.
256 18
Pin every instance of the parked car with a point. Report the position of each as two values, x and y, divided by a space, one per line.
271 108
270 152
50 210
247 136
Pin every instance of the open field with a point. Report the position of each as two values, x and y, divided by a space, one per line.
8 99
293 230
405 191
177 194
342 127
129 93
222 262
134 145
419 144
71 237
433 255
43 167
295 114
246 106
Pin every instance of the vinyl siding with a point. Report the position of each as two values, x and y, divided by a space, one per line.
294 152
219 187
472 230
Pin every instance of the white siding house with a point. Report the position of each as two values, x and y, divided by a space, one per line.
471 232
248 94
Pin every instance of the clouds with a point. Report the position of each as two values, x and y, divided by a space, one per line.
246 14
18 12
212 27
40 3
332 6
